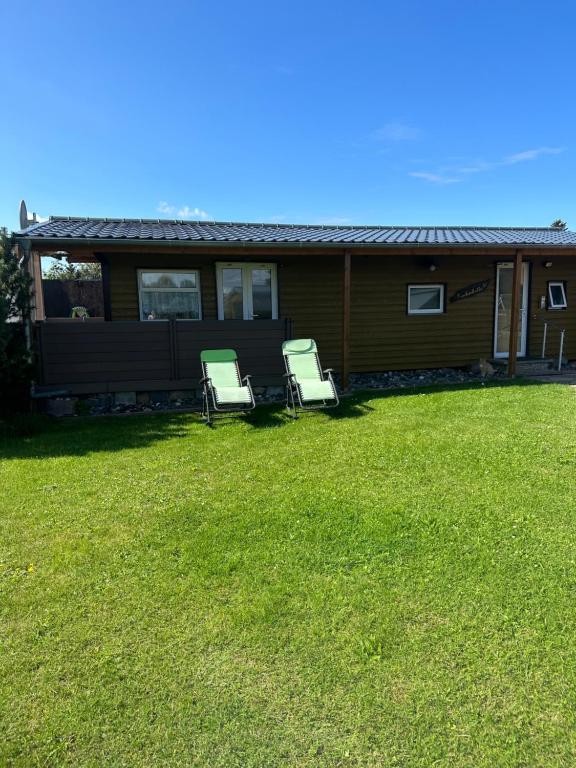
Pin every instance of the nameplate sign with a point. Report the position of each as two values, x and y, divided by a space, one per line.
470 290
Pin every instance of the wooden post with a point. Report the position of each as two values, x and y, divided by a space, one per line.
106 297
38 312
515 315
345 368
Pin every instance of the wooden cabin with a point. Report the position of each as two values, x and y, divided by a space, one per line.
375 298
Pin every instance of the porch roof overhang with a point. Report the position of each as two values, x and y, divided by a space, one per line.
50 246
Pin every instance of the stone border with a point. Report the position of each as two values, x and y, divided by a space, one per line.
190 400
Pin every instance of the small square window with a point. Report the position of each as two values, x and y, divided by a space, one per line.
425 299
557 296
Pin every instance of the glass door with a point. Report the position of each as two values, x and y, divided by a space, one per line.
247 291
260 286
504 281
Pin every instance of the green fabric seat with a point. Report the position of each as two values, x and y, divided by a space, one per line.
311 390
223 374
303 366
229 395
223 383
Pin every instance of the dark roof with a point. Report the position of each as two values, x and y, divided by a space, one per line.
68 228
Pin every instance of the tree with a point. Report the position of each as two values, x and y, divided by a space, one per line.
60 270
16 367
559 224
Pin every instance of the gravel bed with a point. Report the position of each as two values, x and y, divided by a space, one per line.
418 378
358 381
158 402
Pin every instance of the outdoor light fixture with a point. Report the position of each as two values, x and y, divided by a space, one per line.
547 264
432 267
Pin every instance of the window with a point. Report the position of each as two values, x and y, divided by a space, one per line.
425 299
557 296
247 291
169 295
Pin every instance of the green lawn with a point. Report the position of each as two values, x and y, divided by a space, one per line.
389 585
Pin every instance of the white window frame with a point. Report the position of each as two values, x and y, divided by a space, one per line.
551 303
439 311
246 267
197 289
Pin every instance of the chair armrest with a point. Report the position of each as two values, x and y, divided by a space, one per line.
247 377
204 379
288 375
328 370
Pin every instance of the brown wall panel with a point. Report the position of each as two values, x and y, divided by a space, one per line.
562 269
383 335
386 337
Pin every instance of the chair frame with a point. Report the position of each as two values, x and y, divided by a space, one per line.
293 398
209 392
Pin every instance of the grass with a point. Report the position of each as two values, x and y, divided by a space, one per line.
390 585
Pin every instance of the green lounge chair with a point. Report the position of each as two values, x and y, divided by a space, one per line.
307 385
224 390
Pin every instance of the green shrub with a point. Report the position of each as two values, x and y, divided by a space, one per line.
16 365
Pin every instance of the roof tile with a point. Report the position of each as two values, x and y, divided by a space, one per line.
66 228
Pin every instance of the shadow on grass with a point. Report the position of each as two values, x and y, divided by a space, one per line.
357 404
44 437
39 437
276 415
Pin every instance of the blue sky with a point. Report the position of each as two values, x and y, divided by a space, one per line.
412 112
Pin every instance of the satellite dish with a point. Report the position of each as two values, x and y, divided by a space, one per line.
23 215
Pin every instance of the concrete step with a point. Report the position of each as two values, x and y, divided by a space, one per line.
564 377
535 372
526 366
502 361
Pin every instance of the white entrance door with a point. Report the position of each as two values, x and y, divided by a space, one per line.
504 280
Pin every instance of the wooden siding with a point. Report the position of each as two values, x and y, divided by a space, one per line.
309 291
124 280
562 270
383 335
311 296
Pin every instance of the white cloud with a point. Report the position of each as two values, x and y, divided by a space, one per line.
184 212
163 207
397 131
518 157
434 178
334 221
450 175
192 213
531 154
477 167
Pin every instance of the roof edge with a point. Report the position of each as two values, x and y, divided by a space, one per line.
298 244
293 225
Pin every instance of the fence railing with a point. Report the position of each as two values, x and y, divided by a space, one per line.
130 355
548 325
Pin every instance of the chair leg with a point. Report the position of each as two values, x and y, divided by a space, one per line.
206 408
292 411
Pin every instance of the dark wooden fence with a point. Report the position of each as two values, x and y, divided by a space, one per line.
61 295
94 357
